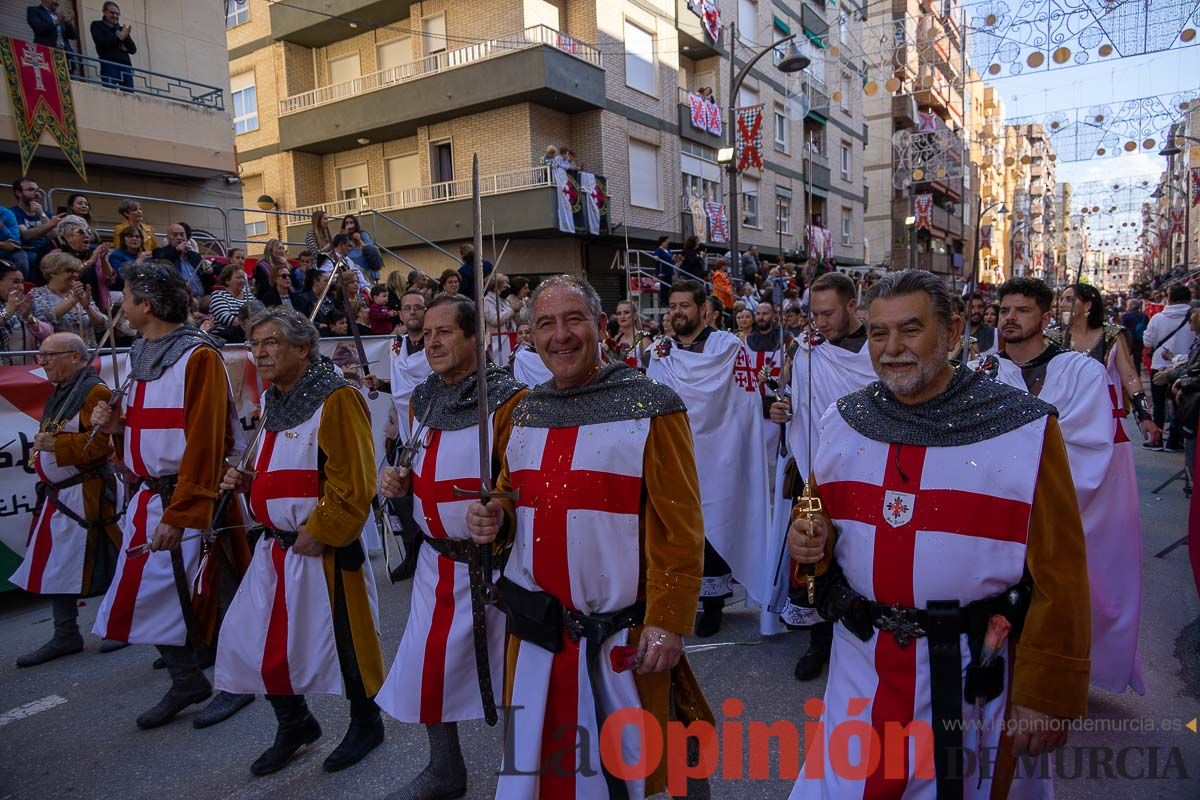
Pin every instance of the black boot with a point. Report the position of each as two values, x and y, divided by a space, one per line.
712 611
188 687
445 776
813 662
363 736
66 640
222 707
297 727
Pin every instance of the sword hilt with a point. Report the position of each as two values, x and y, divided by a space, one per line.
487 590
809 506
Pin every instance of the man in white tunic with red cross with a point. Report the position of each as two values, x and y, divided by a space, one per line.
955 564
178 425
436 677
712 373
304 620
604 573
1077 385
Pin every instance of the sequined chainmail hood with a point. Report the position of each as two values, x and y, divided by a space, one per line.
618 394
286 411
150 358
974 408
455 406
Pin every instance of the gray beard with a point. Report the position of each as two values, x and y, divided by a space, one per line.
927 373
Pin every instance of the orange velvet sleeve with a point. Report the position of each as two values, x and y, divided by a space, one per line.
206 428
74 449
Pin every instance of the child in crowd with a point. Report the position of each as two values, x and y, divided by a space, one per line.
381 320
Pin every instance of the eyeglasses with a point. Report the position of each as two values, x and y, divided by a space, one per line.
49 354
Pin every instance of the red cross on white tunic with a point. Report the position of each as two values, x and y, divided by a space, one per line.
276 673
744 373
139 418
761 359
426 486
274 484
899 509
554 490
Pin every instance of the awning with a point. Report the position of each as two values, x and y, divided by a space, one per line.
783 26
817 191
821 118
812 37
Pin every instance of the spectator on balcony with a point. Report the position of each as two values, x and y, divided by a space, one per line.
342 245
131 210
129 251
114 46
450 282
318 240
281 293
10 243
466 273
551 156
274 258
79 205
64 301
304 263
52 27
74 236
363 251
33 222
227 300
181 256
19 328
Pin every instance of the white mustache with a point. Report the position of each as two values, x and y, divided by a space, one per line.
265 363
909 359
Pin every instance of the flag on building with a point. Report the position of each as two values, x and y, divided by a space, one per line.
923 210
696 206
39 85
985 237
718 222
749 137
1195 182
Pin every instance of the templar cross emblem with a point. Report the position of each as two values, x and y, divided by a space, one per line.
897 508
32 58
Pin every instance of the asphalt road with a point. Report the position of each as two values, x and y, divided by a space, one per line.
66 728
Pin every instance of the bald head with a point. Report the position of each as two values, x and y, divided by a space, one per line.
61 356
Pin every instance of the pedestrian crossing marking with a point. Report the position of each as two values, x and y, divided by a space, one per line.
29 709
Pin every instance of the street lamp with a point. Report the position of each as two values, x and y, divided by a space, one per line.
1170 151
793 61
980 211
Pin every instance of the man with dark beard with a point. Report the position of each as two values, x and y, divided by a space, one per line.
711 371
985 335
766 348
931 542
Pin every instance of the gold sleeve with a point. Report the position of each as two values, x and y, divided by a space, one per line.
74 449
348 479
207 431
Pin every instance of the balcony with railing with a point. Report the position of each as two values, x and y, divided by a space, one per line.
317 23
689 130
537 64
519 201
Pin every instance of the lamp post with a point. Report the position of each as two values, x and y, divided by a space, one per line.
980 211
793 61
1170 151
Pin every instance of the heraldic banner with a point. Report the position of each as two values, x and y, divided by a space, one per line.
39 83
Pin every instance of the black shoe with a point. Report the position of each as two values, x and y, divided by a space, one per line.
55 648
812 663
159 663
288 739
709 621
362 737
174 701
1172 448
222 707
1152 446
113 645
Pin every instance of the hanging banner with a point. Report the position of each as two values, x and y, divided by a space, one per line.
1195 182
923 211
1176 222
749 137
699 218
715 120
927 121
699 111
39 84
568 197
718 222
1019 251
985 237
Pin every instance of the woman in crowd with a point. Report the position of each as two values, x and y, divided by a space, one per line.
79 205
273 258
745 322
281 294
991 314
318 240
629 343
74 236
130 250
450 281
64 301
397 284
227 300
364 253
692 259
315 283
518 296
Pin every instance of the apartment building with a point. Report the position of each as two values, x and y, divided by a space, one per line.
920 99
1032 194
987 152
1168 211
167 138
376 109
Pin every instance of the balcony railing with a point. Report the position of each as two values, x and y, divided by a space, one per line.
86 69
530 178
536 36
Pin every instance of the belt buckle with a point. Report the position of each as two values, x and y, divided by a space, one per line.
573 626
902 624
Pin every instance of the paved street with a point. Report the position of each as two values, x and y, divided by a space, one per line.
79 740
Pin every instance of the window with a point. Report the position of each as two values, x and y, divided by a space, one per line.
256 227
750 202
434 29
747 19
845 161
783 211
747 97
845 89
847 213
252 189
236 12
776 36
344 69
245 102
639 58
402 172
393 54
781 129
701 174
844 27
816 70
644 177
352 182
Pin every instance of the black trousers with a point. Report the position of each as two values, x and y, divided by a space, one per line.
714 567
1160 398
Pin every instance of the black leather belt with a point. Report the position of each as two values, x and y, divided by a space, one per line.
539 618
285 538
454 549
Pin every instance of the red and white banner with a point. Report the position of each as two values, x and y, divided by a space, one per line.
923 211
749 137
718 222
1176 222
39 85
1195 184
23 394
985 237
927 121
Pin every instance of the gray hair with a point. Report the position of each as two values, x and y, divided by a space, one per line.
294 326
912 281
574 284
127 205
71 223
